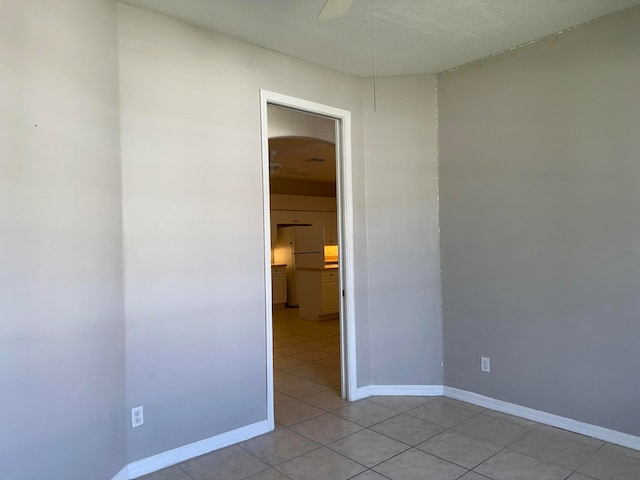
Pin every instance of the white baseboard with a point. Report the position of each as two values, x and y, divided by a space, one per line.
594 431
400 390
122 474
186 452
362 392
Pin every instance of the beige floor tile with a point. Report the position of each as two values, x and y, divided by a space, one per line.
298 339
326 428
328 341
306 369
329 330
286 361
473 476
576 437
400 404
460 449
311 355
605 465
578 476
322 333
228 463
289 350
327 400
441 413
458 403
320 464
369 475
511 418
627 452
493 430
332 361
300 388
281 398
330 378
331 350
365 413
270 474
281 377
314 343
508 465
279 446
368 448
407 429
277 355
295 412
171 473
414 464
554 449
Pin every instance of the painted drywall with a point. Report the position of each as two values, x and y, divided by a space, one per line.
540 227
61 322
402 220
193 226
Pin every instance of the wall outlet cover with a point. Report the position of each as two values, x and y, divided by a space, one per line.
485 364
137 416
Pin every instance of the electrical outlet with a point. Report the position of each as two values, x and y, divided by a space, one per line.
485 364
137 416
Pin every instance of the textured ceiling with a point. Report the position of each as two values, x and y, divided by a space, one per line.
303 158
412 36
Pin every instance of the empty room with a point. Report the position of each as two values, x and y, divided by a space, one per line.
484 264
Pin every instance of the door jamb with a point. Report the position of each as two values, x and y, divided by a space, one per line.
344 189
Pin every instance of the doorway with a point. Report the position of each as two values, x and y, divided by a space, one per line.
345 326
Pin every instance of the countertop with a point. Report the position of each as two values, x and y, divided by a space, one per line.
329 266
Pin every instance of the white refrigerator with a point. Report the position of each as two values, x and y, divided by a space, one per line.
299 247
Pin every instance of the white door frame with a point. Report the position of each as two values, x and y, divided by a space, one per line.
344 188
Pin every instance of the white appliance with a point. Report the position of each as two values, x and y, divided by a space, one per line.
299 247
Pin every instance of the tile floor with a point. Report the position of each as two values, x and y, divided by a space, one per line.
319 436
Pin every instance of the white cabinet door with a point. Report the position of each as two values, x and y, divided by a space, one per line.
309 239
318 220
287 217
291 217
278 285
329 292
328 220
331 228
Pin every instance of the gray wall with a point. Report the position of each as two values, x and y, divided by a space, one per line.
192 181
61 324
402 223
540 225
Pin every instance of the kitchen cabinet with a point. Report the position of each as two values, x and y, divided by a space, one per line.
278 285
292 217
287 217
329 292
330 228
319 293
295 217
317 219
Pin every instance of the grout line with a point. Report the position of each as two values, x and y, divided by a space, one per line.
185 472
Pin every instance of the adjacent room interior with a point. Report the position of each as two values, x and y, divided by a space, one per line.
305 266
494 232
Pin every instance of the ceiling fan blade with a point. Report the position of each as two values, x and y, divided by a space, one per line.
334 9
